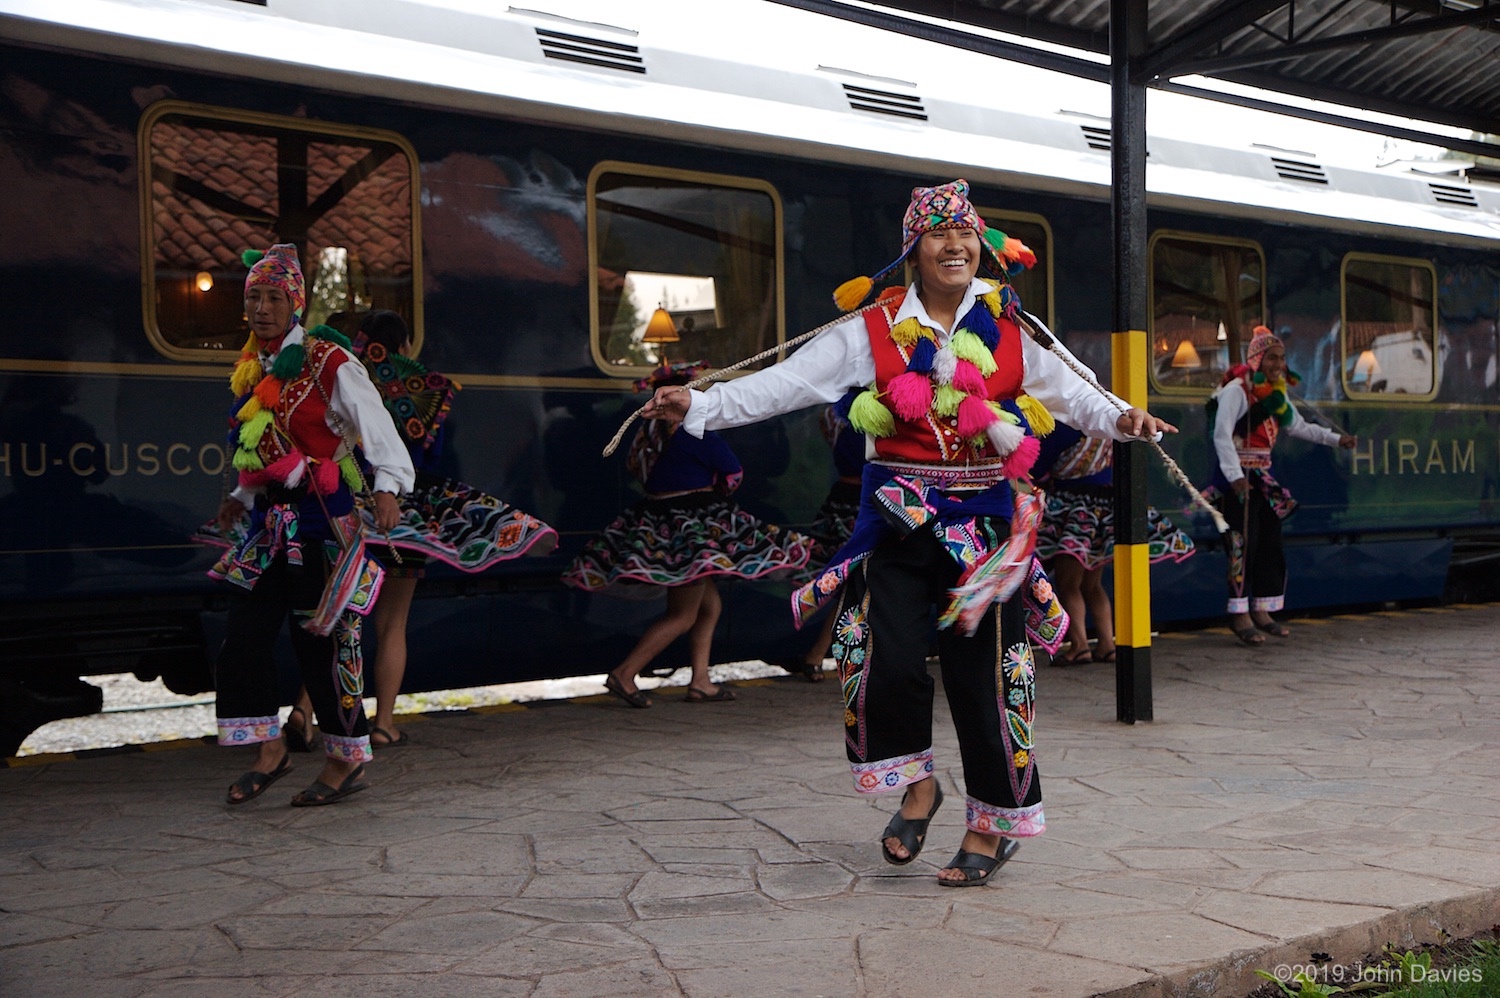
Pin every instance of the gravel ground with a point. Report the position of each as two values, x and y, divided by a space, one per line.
137 713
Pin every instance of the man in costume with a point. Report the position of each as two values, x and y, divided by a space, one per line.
302 402
1249 410
954 393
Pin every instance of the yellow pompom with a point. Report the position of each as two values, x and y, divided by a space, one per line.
991 298
967 346
869 415
252 429
1037 415
247 373
851 293
904 333
247 411
248 460
945 400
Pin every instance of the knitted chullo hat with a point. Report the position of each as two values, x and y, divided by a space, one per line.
1261 341
278 268
946 206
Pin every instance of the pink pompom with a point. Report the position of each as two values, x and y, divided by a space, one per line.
279 472
974 414
910 395
325 478
1018 465
966 378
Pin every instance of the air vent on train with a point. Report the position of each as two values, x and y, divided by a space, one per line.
1296 169
885 102
1096 136
1453 194
590 51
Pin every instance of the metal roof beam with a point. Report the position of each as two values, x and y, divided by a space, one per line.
1374 36
1215 26
1473 147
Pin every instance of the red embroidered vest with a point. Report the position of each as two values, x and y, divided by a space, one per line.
302 411
934 439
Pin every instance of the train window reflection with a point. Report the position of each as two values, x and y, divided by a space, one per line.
1388 347
703 248
220 181
1207 294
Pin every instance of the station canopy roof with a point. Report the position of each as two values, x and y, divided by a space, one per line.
1429 60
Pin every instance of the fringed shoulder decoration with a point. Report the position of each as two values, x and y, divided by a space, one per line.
325 332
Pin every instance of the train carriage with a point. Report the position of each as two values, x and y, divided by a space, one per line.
527 187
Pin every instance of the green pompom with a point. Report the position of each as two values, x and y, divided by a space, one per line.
945 400
349 472
326 332
869 415
252 256
967 346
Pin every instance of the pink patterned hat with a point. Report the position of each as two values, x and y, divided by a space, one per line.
278 268
946 206
1262 340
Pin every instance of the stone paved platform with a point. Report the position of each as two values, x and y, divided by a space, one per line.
1330 792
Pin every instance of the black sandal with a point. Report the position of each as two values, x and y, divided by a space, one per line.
321 793
636 699
254 783
299 737
911 831
977 867
695 695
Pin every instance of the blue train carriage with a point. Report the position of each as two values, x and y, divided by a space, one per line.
527 189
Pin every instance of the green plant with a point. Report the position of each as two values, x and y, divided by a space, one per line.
1307 987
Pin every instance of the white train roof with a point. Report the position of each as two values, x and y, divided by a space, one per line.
756 76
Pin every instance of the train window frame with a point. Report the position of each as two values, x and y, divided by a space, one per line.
1210 239
619 372
209 116
1345 368
995 218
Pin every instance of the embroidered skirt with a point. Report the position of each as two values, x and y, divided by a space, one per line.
1081 525
835 521
683 539
458 525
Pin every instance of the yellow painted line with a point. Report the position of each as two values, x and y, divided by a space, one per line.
498 708
1311 621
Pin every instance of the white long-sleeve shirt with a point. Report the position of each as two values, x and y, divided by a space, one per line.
1233 404
840 358
357 402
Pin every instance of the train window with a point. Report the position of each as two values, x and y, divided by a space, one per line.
1388 343
1207 294
217 181
1034 285
687 266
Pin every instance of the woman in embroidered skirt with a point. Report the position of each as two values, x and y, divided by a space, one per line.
682 536
1248 411
1076 539
442 519
953 395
